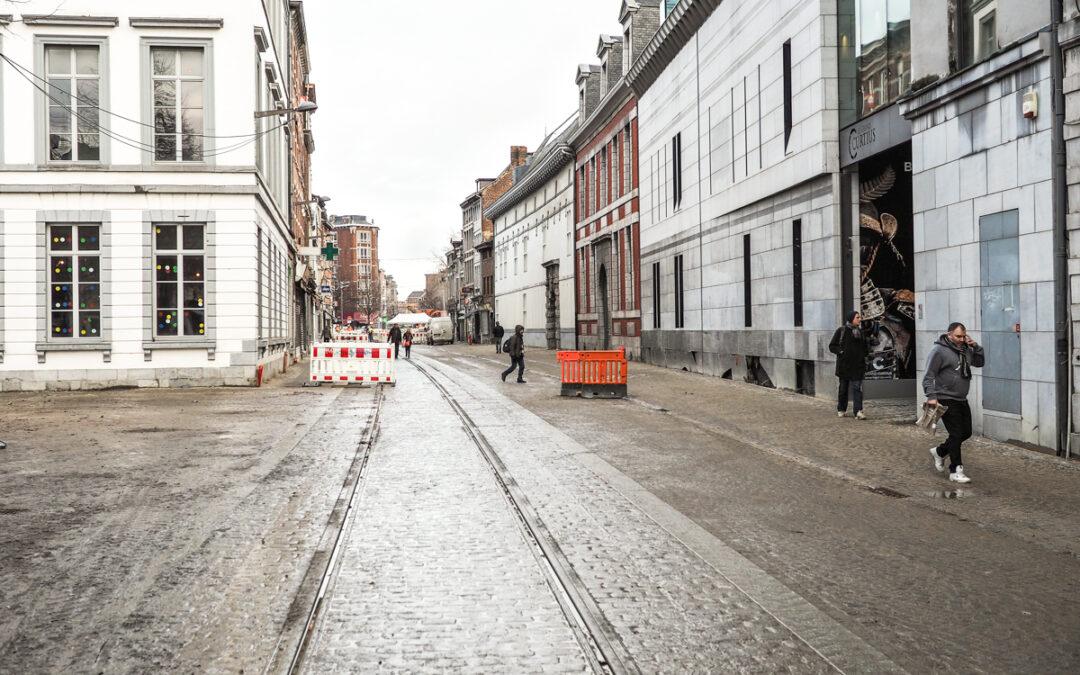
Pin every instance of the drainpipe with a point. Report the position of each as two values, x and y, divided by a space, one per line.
1062 302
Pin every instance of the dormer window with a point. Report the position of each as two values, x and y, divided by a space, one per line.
581 102
603 76
628 49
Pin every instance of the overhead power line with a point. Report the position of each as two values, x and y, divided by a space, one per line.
30 75
130 142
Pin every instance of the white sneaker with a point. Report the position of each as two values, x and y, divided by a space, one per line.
939 461
959 476
860 416
841 413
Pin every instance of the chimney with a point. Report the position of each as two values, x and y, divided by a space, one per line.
519 154
588 82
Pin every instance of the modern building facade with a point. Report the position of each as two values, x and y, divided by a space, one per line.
146 234
359 297
607 269
533 245
902 165
741 244
982 159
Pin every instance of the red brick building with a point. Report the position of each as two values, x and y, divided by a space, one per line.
358 295
607 253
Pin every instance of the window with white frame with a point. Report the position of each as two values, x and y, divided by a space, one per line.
73 74
626 152
179 280
364 236
365 253
179 87
525 254
75 281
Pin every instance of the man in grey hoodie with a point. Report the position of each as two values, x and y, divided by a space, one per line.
947 381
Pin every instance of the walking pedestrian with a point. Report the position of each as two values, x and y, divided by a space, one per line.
498 332
851 348
516 349
395 338
947 381
407 342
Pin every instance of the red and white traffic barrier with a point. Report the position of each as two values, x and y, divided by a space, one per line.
353 363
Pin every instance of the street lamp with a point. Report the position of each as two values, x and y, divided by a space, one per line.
304 107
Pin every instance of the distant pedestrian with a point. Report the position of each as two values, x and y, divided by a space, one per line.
851 347
516 348
498 332
947 381
395 338
407 342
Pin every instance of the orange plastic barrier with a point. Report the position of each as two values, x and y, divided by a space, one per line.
594 373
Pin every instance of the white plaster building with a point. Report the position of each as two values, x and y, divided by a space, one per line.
534 265
146 243
737 130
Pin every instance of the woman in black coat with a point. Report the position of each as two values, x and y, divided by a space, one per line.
851 348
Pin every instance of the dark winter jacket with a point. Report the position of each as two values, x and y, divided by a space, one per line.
851 348
499 332
517 342
948 369
395 335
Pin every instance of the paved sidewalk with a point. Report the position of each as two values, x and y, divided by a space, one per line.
849 515
436 574
672 609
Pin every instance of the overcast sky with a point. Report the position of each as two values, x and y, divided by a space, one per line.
419 98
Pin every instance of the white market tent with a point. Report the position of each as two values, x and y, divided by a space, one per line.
410 319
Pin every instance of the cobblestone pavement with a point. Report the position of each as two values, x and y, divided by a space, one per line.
436 574
982 578
154 530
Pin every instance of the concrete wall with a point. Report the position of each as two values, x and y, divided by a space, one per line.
724 93
929 19
975 155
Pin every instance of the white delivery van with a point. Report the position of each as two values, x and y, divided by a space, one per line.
442 330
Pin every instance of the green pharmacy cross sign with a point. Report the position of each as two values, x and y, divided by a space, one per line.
330 251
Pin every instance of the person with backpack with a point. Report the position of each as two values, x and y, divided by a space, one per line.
851 347
498 332
406 341
947 382
395 338
515 347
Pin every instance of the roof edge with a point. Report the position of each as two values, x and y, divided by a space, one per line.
678 29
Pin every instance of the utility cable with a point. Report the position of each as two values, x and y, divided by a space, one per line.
28 74
139 145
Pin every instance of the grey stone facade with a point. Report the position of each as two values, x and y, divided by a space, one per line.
983 204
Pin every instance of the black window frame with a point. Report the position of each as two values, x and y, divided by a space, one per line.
748 298
680 302
656 294
788 105
796 273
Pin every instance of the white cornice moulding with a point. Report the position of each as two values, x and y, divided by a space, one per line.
65 20
261 41
174 22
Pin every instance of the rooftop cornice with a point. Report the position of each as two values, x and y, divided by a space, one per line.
69 20
616 98
175 22
560 154
675 33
